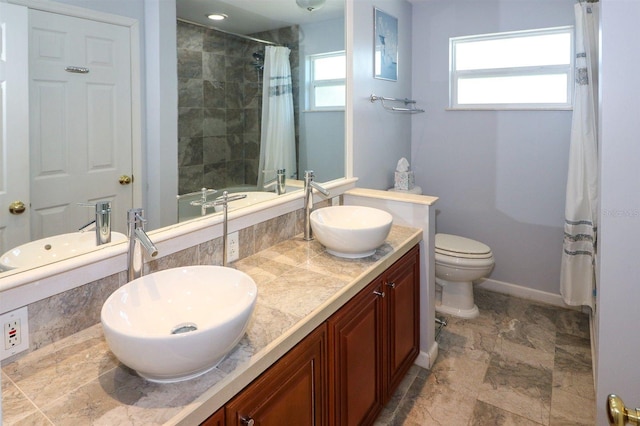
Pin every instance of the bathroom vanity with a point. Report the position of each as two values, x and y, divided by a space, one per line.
348 367
320 321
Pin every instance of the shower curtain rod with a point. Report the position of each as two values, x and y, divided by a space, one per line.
257 40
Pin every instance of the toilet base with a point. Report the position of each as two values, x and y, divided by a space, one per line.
457 312
457 299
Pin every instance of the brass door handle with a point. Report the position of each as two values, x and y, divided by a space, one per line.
618 414
17 207
125 180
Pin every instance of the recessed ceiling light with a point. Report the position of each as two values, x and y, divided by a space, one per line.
310 5
217 16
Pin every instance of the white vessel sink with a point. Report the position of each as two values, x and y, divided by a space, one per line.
51 249
179 323
351 231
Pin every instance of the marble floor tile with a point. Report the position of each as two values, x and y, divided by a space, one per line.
487 414
463 336
430 403
518 363
518 387
572 366
390 410
572 322
568 409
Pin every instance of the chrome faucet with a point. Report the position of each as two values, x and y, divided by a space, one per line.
137 238
279 182
224 202
102 222
309 184
202 201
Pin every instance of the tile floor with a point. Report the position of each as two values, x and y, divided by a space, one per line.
518 363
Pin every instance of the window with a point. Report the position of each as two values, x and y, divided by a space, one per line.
514 70
326 81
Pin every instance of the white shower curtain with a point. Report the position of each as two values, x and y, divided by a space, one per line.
277 137
577 281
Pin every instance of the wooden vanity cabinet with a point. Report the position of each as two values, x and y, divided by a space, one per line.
402 282
291 392
344 372
373 340
216 419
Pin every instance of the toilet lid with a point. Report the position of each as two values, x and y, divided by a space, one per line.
454 245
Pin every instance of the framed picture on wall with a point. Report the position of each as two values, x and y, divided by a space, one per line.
385 46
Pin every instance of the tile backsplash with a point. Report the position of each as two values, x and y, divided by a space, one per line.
67 313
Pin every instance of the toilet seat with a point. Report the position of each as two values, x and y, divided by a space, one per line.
461 247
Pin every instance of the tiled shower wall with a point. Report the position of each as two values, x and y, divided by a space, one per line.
219 105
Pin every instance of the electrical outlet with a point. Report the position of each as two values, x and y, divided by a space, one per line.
233 247
15 330
12 333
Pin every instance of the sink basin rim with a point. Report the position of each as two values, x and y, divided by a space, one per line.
351 231
72 244
179 271
160 356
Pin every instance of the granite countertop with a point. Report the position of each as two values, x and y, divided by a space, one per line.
77 380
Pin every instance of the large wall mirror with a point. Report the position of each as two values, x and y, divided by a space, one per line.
221 68
236 128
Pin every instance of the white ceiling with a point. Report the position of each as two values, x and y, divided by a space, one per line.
251 16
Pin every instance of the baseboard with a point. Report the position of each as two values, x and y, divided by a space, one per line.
524 293
427 359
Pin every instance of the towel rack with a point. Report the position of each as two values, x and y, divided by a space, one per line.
411 109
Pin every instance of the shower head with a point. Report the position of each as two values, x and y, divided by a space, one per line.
258 61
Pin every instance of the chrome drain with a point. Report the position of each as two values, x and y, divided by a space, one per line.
184 328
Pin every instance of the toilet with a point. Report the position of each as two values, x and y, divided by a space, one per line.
459 261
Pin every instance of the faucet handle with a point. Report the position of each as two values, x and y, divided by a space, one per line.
103 206
135 215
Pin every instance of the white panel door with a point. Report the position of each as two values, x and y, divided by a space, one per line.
14 124
80 121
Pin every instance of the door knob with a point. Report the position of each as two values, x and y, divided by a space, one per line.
17 207
618 414
125 180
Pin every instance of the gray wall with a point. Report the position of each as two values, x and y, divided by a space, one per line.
380 137
500 175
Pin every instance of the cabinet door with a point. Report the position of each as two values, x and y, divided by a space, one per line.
216 419
292 392
355 339
402 286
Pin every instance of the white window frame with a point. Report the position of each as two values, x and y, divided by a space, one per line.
566 69
312 83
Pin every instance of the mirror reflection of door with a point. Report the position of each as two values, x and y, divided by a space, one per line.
14 125
80 121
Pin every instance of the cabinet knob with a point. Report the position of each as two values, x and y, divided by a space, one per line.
248 421
379 293
391 284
